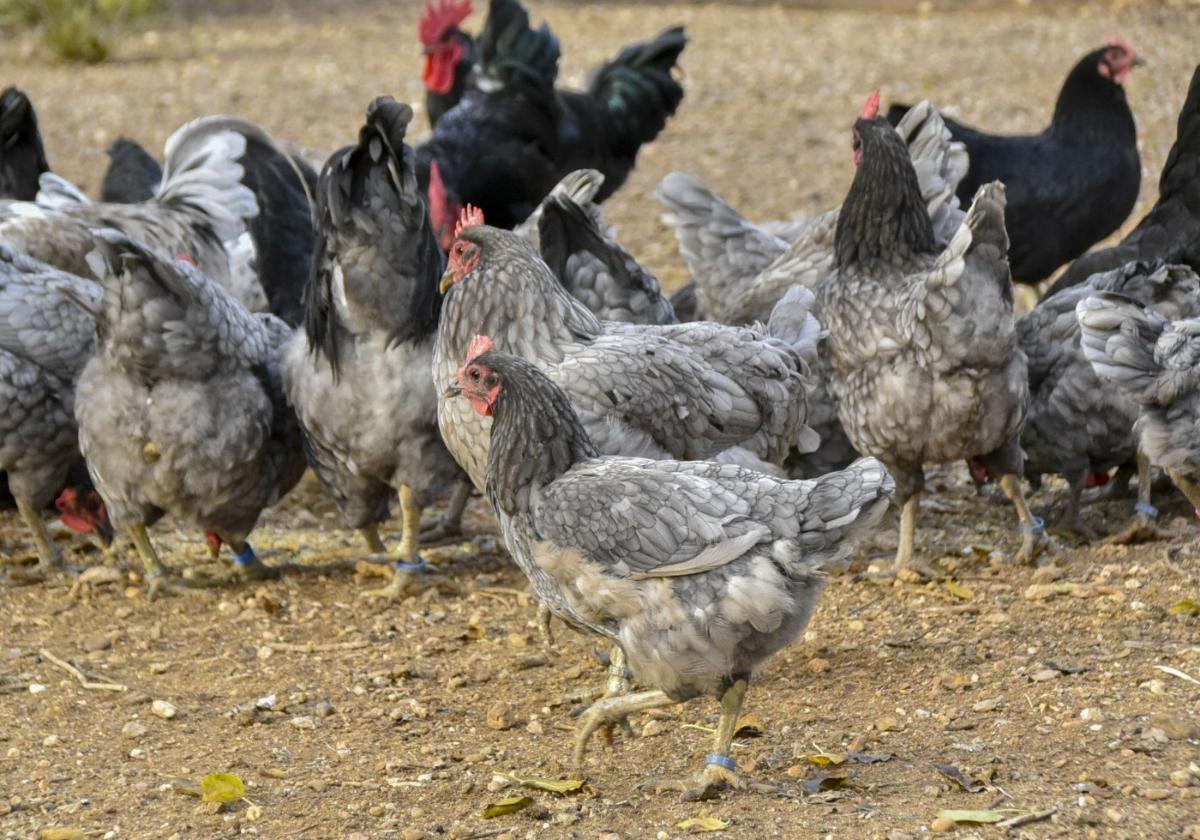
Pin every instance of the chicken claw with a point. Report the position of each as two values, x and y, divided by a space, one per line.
159 578
1033 530
611 710
249 568
545 631
49 557
410 573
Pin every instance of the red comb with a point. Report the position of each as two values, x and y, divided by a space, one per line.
185 257
871 110
441 17
471 216
1116 39
479 345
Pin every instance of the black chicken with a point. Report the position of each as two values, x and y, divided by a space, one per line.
133 173
22 157
1074 183
514 135
1171 230
449 55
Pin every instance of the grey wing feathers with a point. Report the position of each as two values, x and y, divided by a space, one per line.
163 318
645 518
940 163
581 187
46 315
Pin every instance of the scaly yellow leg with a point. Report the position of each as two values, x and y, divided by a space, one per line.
157 574
1033 530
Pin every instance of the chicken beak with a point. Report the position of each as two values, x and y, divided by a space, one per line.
446 283
452 390
1138 61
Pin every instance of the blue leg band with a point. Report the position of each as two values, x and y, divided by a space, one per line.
1146 510
246 558
721 761
1038 528
419 566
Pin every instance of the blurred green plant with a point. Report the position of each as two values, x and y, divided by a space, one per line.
76 30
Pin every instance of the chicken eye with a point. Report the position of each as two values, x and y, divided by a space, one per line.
474 375
490 381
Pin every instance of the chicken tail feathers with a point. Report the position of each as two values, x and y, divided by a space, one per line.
1183 161
57 192
514 55
638 90
202 173
24 158
940 163
792 322
896 112
133 175
1146 356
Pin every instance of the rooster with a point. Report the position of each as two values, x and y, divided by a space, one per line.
688 391
1081 425
1074 183
697 572
1156 363
449 55
1170 232
514 135
181 410
22 156
924 354
45 340
359 375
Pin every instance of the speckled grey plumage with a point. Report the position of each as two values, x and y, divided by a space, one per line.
925 361
181 410
1078 422
1156 362
592 265
686 391
360 378
700 571
200 210
45 340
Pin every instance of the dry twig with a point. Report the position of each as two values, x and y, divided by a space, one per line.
80 677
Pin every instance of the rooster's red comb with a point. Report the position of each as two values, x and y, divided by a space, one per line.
871 110
439 17
1116 39
479 345
471 216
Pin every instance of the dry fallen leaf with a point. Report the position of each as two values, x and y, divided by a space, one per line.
972 816
222 787
955 775
61 834
700 825
1185 607
748 726
551 785
506 806
959 591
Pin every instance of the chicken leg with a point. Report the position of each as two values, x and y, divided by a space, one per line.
610 710
410 572
158 575
449 524
719 768
1143 527
247 566
49 557
1033 529
1187 487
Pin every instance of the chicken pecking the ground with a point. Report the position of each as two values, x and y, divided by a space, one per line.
513 135
1156 362
924 354
696 571
199 211
181 410
591 264
22 155
1075 182
689 391
281 230
45 340
741 269
449 55
359 375
1080 425
1171 230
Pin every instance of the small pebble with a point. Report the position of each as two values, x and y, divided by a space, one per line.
1046 674
1180 778
375 810
1156 794
50 741
500 717
163 709
133 729
942 825
989 705
412 834
137 753
652 728
303 722
817 665
887 724
92 643
1091 715
323 708
36 688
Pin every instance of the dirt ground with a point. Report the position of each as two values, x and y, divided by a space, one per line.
1068 693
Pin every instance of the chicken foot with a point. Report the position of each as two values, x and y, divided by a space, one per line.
1187 487
1070 519
248 566
449 524
610 710
410 572
904 567
158 575
49 557
1033 530
719 768
1143 527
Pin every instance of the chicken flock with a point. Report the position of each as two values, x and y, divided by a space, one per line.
676 475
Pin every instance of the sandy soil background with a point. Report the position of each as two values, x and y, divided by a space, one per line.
1046 689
